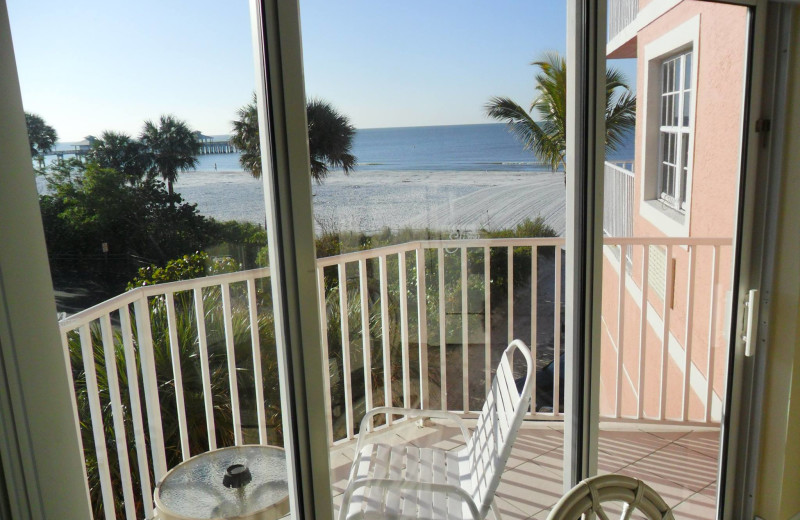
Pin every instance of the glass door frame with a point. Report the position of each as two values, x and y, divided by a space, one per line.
281 102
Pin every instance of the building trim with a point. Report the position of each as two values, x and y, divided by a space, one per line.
646 16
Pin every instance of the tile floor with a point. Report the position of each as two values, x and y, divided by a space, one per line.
680 463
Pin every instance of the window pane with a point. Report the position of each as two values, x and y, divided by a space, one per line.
687 78
146 176
687 103
676 80
431 165
688 281
675 109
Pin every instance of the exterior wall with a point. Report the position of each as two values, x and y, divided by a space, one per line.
719 53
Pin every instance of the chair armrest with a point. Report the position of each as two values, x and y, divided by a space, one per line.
408 412
411 485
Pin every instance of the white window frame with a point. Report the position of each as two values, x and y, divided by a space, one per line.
673 105
664 213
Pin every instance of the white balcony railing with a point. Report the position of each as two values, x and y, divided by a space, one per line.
620 14
618 199
181 368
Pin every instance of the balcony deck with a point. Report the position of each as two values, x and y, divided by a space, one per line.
679 462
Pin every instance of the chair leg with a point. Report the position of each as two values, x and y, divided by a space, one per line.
496 510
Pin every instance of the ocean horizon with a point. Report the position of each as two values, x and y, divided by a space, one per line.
454 177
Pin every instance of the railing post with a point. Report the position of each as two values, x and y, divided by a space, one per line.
620 332
712 330
442 330
642 332
345 334
534 315
557 334
422 326
665 338
174 350
93 396
230 345
150 384
255 343
365 335
487 319
403 290
205 371
464 331
117 412
136 410
688 339
323 324
387 347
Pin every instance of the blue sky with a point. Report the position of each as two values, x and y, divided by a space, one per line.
88 66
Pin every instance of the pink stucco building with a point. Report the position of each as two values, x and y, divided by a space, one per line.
663 306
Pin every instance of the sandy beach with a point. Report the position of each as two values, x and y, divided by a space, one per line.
368 200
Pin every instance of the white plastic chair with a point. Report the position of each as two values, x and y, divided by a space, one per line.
631 494
403 481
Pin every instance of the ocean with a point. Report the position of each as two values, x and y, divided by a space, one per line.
486 147
461 177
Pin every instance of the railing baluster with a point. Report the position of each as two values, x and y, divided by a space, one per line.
557 335
422 321
464 332
136 410
365 336
403 288
712 326
534 315
442 330
345 335
620 331
642 332
175 355
96 413
510 320
258 377
487 319
323 332
668 294
150 385
687 343
74 402
230 346
117 413
385 340
205 371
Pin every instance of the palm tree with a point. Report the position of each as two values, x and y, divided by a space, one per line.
330 138
41 136
122 153
547 137
173 147
245 137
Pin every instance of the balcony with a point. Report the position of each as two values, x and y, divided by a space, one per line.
177 369
621 28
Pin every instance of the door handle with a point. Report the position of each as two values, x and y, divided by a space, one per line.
751 323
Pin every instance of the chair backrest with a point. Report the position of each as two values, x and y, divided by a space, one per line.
617 492
490 445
